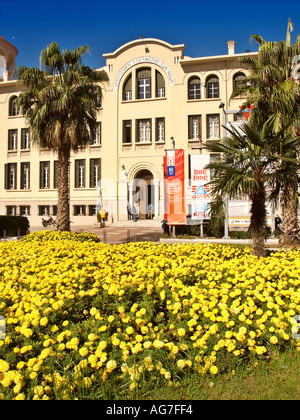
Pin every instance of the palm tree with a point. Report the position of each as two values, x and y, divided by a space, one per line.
274 93
60 107
249 160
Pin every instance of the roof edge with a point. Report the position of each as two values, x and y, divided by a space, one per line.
140 41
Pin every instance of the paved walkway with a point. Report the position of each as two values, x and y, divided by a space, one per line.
118 233
144 230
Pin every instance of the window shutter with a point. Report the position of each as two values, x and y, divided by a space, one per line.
55 175
6 170
42 174
92 173
76 173
160 81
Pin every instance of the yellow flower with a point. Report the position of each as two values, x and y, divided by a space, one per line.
83 351
4 366
44 321
181 332
273 339
213 370
129 330
111 365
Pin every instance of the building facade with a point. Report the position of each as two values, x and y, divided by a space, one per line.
156 98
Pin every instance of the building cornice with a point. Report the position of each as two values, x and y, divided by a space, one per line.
142 41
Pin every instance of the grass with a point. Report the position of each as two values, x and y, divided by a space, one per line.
274 378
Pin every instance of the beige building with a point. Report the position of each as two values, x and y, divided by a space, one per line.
156 98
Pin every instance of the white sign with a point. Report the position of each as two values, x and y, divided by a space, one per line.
239 213
140 60
200 178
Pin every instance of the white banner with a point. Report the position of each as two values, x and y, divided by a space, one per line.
200 177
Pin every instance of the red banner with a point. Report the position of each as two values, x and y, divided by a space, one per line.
174 187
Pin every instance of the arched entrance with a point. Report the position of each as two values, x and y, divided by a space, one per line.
144 194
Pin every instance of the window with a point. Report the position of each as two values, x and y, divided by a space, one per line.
127 131
92 210
160 85
55 175
238 80
160 129
44 210
194 88
127 89
79 210
212 87
25 139
44 175
144 83
143 131
239 116
96 141
24 210
95 172
12 139
11 210
80 173
13 106
213 126
10 176
194 127
25 176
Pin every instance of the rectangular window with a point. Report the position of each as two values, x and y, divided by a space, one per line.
10 182
95 172
194 129
25 139
160 129
44 210
79 210
143 131
24 210
11 210
127 131
25 176
80 173
144 87
213 126
44 175
97 139
92 210
213 89
12 139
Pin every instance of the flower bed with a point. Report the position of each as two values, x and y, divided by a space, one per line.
81 315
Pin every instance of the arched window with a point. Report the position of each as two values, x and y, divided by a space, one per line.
238 80
127 89
13 106
212 87
194 88
160 85
143 77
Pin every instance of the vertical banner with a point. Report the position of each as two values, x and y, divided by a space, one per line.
200 190
174 187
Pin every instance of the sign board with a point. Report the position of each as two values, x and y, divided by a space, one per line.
175 213
200 178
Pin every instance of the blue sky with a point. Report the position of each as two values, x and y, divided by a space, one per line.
203 26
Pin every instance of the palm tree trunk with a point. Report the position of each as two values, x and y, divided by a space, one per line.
258 222
63 180
289 217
